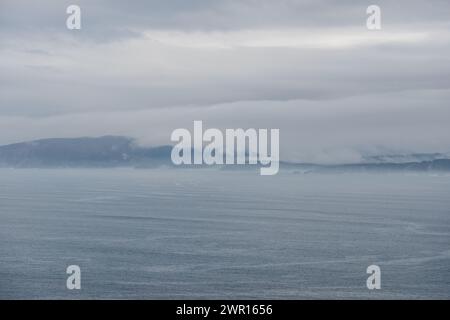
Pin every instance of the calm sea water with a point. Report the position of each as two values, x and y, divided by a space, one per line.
215 234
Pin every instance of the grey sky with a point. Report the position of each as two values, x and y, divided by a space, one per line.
310 68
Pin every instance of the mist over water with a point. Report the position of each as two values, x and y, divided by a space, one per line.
223 234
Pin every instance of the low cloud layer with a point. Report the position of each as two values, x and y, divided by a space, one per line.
310 68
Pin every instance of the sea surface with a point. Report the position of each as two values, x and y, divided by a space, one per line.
190 234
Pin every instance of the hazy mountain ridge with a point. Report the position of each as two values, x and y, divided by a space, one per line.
118 151
404 158
107 151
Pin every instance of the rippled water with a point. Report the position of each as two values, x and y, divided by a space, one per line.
216 234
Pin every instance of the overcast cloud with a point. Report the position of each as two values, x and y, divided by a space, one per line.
310 68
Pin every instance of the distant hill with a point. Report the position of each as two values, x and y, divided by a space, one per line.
117 151
422 166
107 151
404 158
